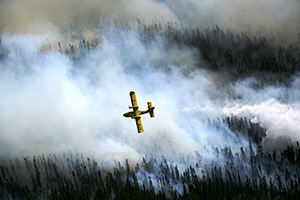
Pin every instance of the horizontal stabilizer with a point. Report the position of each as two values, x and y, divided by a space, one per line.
151 109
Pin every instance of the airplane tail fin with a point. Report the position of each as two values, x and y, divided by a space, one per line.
151 109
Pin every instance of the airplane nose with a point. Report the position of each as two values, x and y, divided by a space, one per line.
124 115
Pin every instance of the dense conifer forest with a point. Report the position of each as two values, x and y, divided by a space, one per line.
236 54
251 173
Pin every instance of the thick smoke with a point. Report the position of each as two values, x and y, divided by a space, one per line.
55 102
259 18
275 108
50 103
69 20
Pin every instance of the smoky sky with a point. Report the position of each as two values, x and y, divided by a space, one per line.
50 103
278 20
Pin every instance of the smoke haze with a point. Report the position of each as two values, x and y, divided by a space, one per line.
50 103
253 17
69 20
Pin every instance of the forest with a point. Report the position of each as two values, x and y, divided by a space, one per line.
251 173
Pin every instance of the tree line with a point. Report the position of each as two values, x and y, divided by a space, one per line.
250 173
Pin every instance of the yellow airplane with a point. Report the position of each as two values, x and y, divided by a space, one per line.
136 113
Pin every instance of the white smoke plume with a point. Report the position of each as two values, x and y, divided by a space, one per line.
49 103
275 108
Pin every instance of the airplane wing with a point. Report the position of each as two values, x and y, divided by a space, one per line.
133 100
139 125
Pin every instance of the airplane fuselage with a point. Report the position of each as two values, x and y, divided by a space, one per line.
135 113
